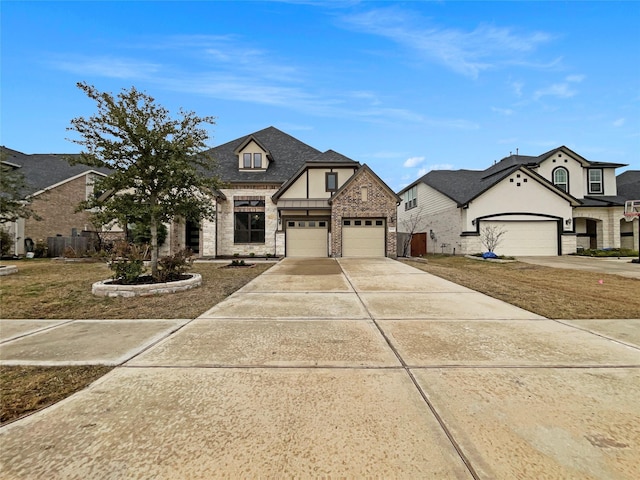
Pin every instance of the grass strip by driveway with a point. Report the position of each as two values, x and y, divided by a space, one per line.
26 389
550 292
46 289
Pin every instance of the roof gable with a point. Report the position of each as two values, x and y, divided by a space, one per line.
45 171
365 170
287 155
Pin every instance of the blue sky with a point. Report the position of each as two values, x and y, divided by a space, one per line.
405 87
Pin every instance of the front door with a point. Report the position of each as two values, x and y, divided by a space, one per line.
192 237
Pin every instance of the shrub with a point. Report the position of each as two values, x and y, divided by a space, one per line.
41 249
172 267
6 242
126 263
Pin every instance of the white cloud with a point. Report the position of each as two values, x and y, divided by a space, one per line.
559 90
435 166
468 52
619 122
575 78
105 66
413 162
503 111
517 88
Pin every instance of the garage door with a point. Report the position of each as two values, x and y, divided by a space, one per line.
307 238
363 238
527 238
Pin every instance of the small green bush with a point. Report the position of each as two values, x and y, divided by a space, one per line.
41 249
610 252
126 263
6 242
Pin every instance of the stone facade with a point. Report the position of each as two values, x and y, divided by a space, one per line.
57 208
226 242
364 197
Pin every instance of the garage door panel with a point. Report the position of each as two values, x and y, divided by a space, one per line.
303 240
527 238
363 240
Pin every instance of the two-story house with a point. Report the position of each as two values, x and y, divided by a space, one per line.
551 204
282 197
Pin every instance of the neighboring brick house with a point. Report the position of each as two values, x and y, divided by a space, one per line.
55 189
282 197
552 204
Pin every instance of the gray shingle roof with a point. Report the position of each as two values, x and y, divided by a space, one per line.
331 156
464 185
41 171
287 156
629 185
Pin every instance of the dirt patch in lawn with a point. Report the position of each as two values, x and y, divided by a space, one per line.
51 290
26 389
550 292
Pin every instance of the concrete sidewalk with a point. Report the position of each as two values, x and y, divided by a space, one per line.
350 368
612 265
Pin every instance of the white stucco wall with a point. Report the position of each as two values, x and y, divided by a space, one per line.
574 168
530 197
313 179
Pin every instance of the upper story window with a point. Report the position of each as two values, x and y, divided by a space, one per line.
561 179
331 181
595 181
252 160
410 198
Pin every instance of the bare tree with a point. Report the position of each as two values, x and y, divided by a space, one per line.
491 236
411 225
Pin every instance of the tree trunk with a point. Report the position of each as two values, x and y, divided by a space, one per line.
154 246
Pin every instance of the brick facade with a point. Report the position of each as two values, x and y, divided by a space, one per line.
57 208
353 202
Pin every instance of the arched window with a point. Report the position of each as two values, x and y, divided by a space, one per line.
561 179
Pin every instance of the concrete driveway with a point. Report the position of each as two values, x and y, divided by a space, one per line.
612 265
350 368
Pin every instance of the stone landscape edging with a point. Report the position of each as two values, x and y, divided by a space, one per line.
8 269
105 288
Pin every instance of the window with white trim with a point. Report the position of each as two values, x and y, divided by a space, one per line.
410 198
595 180
561 179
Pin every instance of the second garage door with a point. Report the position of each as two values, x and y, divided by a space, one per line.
527 238
307 238
363 238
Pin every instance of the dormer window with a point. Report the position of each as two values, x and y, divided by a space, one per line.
252 160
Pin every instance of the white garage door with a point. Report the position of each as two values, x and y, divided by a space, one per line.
526 238
307 238
363 238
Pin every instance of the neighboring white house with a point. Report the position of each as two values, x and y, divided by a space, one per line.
282 197
551 204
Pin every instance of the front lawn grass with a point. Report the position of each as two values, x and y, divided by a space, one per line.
50 289
551 292
46 289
